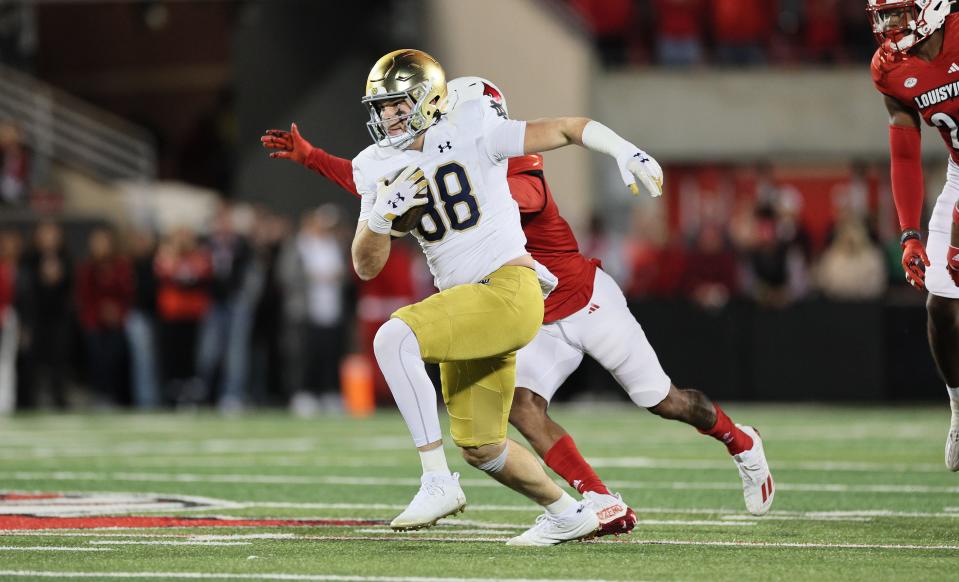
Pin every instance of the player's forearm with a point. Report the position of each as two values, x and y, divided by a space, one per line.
543 135
337 170
370 252
906 176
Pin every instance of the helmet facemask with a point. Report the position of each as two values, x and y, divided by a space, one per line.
900 25
420 117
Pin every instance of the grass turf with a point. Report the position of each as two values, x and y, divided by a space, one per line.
852 484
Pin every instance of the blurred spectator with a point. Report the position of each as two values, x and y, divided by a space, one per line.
607 246
611 22
141 322
822 36
741 30
9 328
268 372
14 167
104 295
860 44
679 29
46 316
324 271
768 263
852 268
710 276
225 332
655 257
183 272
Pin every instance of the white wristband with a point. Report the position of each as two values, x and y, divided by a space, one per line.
378 223
600 138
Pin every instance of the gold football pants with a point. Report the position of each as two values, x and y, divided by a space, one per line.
473 331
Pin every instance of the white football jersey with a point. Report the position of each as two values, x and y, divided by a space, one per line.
472 224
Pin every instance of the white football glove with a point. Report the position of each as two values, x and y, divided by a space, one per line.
635 166
395 197
641 168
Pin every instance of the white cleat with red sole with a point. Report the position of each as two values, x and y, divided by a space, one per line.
615 517
758 490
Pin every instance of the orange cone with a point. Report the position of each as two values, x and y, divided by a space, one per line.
356 379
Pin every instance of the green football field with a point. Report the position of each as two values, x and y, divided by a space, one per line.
862 494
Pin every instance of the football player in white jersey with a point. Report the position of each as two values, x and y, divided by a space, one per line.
490 302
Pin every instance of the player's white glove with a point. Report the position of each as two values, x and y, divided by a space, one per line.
395 197
635 166
641 168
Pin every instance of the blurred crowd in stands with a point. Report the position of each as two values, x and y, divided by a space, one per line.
253 310
679 33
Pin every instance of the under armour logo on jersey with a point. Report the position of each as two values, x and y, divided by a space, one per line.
443 148
484 281
498 107
954 68
592 307
642 157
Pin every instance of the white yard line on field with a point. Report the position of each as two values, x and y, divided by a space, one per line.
797 545
452 532
627 540
415 482
51 549
267 576
167 543
724 464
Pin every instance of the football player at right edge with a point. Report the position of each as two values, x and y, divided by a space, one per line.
915 69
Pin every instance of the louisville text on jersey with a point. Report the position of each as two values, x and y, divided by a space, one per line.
938 95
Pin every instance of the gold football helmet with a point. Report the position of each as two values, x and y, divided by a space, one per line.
410 75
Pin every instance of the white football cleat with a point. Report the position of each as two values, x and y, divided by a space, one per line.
757 480
952 440
576 523
439 496
615 517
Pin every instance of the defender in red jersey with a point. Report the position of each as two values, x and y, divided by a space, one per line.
916 68
585 314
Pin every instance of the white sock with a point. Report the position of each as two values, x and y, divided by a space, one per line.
434 461
953 393
562 504
398 354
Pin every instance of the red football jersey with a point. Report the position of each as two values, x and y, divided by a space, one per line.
551 242
931 88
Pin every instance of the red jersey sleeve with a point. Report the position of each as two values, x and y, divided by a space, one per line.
906 174
337 170
526 183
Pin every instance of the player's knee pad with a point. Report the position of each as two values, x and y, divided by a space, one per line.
496 464
392 337
648 395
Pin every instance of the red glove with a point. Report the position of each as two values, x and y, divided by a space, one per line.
952 264
289 145
914 262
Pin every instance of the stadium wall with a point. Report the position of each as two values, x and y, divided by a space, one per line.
727 115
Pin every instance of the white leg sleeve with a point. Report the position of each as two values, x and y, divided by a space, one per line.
398 354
